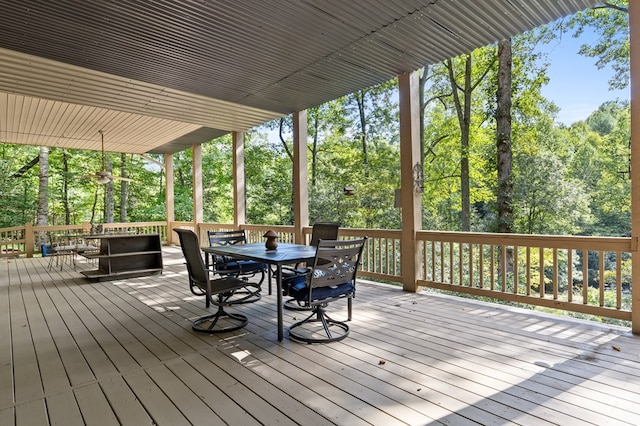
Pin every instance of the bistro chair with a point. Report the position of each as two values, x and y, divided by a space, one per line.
216 292
227 266
332 277
320 231
60 252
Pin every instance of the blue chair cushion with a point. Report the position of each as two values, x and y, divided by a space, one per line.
243 266
297 288
46 249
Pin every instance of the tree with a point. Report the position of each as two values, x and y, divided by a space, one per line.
124 188
108 195
360 99
549 201
65 187
503 138
463 108
602 162
43 187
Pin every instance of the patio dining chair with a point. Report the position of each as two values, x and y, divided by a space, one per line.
320 231
226 266
217 292
332 277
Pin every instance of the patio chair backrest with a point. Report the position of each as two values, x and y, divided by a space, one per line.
324 231
336 262
226 238
198 273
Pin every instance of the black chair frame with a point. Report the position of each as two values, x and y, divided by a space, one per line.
320 231
217 292
226 266
332 277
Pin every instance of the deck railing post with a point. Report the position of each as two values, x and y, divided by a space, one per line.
86 227
29 239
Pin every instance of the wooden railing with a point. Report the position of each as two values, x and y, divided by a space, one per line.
12 241
537 270
254 233
548 271
27 240
381 254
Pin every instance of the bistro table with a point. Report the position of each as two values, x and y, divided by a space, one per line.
285 254
67 248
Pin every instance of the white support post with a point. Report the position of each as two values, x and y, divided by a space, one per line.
300 176
169 196
239 183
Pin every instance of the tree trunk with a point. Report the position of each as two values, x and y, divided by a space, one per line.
463 110
503 139
95 205
124 188
65 188
108 196
284 142
363 129
290 155
314 149
43 187
43 191
422 82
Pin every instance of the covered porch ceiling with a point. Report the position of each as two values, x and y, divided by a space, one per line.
159 76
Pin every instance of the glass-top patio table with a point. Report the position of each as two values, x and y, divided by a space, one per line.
285 254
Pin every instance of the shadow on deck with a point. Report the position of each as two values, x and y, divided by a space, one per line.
122 352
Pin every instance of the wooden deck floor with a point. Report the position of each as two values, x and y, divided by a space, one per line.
122 352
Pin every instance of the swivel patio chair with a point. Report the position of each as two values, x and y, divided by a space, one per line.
320 231
226 266
332 277
217 292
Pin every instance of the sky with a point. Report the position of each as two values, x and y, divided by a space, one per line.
576 85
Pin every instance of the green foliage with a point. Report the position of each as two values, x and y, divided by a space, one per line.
268 176
19 195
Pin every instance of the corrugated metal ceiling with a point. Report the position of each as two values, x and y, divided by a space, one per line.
193 69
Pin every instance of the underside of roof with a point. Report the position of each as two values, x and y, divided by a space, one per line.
159 76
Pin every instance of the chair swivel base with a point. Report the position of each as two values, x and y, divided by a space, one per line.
321 329
248 295
212 323
294 305
239 297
